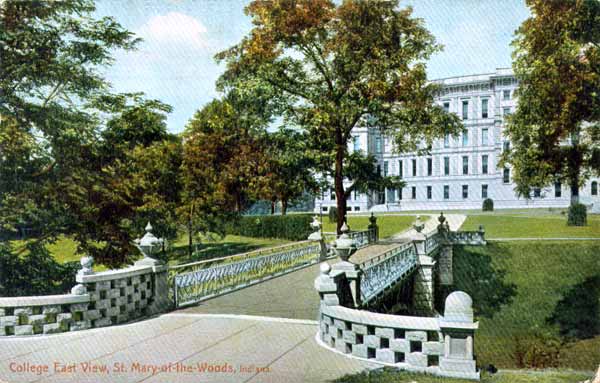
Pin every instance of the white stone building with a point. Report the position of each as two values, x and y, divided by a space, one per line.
460 172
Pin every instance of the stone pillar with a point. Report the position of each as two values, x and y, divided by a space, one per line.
458 330
445 264
352 274
161 301
317 237
373 226
423 289
327 287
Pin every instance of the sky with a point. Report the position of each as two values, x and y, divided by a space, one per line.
175 62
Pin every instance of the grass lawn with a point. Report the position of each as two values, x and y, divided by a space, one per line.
388 375
517 286
518 226
388 224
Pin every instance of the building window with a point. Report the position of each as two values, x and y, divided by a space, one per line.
414 168
378 169
332 196
465 191
400 170
429 166
400 193
385 168
414 192
447 141
506 175
484 164
484 108
465 110
465 137
446 191
506 95
356 208
324 208
446 166
484 191
537 192
428 192
557 190
506 146
594 188
356 143
446 107
484 137
378 145
465 160
505 111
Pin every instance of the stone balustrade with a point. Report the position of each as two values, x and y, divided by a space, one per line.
475 238
437 345
99 300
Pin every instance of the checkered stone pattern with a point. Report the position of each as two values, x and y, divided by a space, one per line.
119 300
388 345
43 319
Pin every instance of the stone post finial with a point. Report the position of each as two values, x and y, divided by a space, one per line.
418 225
344 245
86 265
148 245
79 289
316 226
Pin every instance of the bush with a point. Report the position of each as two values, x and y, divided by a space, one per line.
488 204
577 215
293 227
332 214
34 273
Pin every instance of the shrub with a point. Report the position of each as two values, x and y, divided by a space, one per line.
293 227
488 204
577 215
34 273
332 214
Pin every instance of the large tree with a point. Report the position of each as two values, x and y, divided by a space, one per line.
555 131
334 65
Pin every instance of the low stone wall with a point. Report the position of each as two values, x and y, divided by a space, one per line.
440 345
99 300
467 237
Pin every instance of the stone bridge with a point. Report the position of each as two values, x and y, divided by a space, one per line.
263 330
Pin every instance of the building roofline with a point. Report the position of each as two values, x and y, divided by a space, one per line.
478 77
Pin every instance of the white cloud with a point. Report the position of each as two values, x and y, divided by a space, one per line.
174 28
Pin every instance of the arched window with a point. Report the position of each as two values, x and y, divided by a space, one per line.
594 188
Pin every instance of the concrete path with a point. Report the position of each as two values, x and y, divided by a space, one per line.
178 348
454 220
289 296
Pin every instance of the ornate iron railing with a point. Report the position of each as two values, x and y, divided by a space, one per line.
432 241
198 285
384 271
467 237
362 238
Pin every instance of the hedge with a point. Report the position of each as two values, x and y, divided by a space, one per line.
488 205
577 215
293 227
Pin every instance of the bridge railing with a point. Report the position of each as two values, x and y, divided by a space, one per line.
229 273
362 238
385 270
432 241
467 237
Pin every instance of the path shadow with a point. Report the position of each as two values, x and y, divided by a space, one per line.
475 275
577 314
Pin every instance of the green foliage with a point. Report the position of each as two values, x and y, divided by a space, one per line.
332 214
294 227
330 67
554 132
540 349
33 271
577 215
578 312
488 205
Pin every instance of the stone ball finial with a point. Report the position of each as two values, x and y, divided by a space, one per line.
344 228
325 268
441 218
78 289
458 307
86 265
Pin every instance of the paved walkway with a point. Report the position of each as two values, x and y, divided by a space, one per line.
178 348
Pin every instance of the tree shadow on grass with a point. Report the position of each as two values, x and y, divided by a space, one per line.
577 314
206 251
475 275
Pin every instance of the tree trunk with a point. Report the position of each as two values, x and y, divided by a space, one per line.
339 180
190 228
272 207
575 160
574 185
284 205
